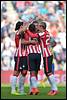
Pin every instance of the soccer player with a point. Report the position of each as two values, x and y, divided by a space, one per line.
47 57
20 58
34 57
21 65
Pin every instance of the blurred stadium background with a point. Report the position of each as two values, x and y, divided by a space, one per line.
54 13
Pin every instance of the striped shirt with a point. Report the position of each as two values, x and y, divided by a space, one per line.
44 45
21 50
33 49
45 42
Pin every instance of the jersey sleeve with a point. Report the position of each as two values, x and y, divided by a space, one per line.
17 40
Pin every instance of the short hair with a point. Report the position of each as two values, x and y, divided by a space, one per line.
32 27
35 22
18 24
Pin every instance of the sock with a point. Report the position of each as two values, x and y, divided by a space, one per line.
34 82
21 83
52 82
13 80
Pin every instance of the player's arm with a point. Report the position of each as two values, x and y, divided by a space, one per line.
31 34
26 42
17 40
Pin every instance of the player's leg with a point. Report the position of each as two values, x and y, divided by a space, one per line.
24 68
33 79
38 63
13 78
50 75
14 81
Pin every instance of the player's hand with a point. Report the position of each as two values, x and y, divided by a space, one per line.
33 42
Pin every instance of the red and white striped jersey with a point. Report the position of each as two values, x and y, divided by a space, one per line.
44 46
20 49
45 42
34 49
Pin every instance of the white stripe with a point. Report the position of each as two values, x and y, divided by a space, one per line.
45 50
30 49
38 49
34 49
40 34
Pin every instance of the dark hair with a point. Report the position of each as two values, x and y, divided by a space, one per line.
43 25
18 24
32 27
35 22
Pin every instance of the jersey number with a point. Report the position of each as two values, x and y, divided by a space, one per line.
47 39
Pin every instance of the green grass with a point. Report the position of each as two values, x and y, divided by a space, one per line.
6 94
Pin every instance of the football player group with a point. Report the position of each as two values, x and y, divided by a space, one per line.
32 40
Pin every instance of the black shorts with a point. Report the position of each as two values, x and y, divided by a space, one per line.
34 61
21 63
48 65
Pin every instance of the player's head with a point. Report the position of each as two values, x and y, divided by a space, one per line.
19 25
42 26
36 25
32 27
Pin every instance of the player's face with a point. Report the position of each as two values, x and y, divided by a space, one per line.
21 28
36 26
40 28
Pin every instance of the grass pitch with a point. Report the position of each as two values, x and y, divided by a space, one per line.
6 93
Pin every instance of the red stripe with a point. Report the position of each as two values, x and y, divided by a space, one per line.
47 51
38 48
44 54
46 64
